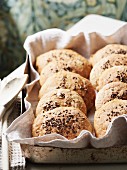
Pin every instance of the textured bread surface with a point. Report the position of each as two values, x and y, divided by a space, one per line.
74 61
109 49
104 116
104 64
66 121
72 81
75 66
110 92
60 98
114 74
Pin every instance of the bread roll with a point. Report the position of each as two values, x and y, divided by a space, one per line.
114 74
75 66
104 64
66 121
72 81
68 59
60 98
109 49
104 116
110 92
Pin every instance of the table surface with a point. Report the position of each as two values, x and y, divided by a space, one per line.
31 166
91 23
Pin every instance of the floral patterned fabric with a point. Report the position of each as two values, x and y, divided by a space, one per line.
20 18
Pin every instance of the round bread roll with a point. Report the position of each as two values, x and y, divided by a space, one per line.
104 64
107 113
65 56
66 121
60 98
72 81
76 66
114 74
110 92
109 49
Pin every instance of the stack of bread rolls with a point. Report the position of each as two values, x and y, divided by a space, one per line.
109 78
66 95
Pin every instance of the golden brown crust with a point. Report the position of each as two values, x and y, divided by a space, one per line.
109 49
60 98
104 64
110 92
66 59
75 66
72 81
107 113
67 121
114 74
